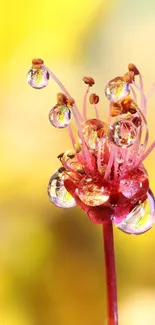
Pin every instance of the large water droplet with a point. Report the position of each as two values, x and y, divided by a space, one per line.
60 116
93 130
123 133
116 89
38 78
57 192
134 184
93 193
140 219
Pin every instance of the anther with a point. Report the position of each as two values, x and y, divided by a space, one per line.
61 99
37 63
88 81
129 77
94 99
132 67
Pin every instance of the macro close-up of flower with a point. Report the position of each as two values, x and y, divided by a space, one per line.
103 172
77 234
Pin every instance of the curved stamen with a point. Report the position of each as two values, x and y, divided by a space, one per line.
146 153
143 98
65 91
149 94
146 134
71 134
134 94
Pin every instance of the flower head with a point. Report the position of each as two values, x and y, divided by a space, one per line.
103 172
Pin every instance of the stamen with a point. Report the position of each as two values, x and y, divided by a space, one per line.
149 94
94 100
110 163
146 131
143 98
70 131
86 153
97 112
134 94
85 103
63 88
146 153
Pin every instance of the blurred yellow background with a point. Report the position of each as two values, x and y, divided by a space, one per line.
51 260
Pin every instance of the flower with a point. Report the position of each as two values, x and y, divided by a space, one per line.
103 172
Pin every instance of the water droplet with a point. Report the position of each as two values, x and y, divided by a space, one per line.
130 162
93 193
116 89
57 192
93 130
38 78
134 184
70 161
141 218
120 158
60 116
123 133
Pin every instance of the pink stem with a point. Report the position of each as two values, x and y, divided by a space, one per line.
110 163
96 111
110 273
146 153
149 94
70 131
134 94
143 98
85 103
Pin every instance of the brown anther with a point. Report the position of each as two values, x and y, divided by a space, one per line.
77 147
61 169
71 155
93 99
61 99
132 110
129 77
128 105
88 81
60 155
115 112
115 109
81 171
136 121
70 102
132 67
37 63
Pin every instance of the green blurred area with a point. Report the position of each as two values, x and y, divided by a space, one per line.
51 260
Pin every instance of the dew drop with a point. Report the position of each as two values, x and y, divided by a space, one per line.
123 133
141 218
69 160
120 158
60 116
93 130
134 184
57 192
93 193
38 77
116 89
130 162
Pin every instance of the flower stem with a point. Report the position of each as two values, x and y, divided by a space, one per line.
110 273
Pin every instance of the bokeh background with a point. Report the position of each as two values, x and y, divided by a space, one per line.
51 260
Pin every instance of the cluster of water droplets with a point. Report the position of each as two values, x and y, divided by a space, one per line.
103 163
